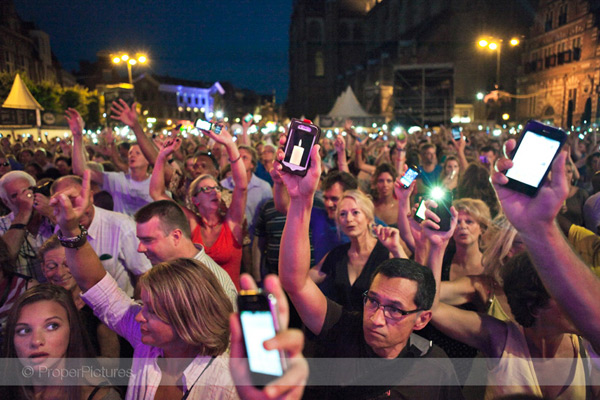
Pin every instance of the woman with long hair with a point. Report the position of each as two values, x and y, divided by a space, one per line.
44 332
217 227
386 204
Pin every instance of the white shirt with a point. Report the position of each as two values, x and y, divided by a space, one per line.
118 312
128 195
222 275
112 235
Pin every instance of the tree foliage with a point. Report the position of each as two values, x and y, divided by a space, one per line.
56 98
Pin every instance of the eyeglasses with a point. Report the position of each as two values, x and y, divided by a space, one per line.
5 164
390 312
208 189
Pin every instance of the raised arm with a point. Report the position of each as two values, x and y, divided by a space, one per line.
237 208
403 196
481 331
82 261
79 158
157 180
568 279
121 111
280 194
294 255
340 147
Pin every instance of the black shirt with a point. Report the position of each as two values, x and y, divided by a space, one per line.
351 370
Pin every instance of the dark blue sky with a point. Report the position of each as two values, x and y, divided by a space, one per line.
241 41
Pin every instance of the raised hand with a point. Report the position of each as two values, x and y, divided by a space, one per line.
431 228
121 111
390 238
224 137
291 384
300 186
524 212
70 205
170 146
75 121
339 144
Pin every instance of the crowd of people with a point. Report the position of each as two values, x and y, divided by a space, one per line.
137 251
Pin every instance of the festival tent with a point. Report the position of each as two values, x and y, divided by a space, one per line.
21 98
345 107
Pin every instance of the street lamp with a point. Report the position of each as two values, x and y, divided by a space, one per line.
495 44
130 62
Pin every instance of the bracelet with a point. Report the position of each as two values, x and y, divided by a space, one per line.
18 226
75 241
236 160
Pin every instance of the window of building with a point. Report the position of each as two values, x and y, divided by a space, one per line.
548 24
319 64
562 16
315 32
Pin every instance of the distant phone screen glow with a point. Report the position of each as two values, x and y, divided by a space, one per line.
258 326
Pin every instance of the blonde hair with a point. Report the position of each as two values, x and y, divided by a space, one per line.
497 243
362 201
476 209
186 294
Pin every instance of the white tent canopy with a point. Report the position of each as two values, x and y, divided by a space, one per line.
347 106
20 97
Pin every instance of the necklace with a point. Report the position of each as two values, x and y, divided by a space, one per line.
211 226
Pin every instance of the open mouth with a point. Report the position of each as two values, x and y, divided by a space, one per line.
38 355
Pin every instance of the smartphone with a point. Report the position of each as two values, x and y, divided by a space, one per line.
456 132
444 203
420 214
533 156
258 317
248 118
302 136
409 176
207 126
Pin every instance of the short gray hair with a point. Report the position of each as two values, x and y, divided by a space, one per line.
11 177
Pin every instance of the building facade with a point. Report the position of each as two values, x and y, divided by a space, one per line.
559 81
409 60
23 48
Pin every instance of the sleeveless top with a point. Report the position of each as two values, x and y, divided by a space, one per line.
226 252
515 373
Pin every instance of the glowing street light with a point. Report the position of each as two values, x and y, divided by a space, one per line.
130 61
495 44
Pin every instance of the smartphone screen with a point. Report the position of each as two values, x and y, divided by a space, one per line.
258 326
301 138
410 175
420 214
456 132
204 125
533 158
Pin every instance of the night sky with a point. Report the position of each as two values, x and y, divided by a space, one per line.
244 42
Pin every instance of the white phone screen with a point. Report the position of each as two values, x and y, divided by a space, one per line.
258 326
534 155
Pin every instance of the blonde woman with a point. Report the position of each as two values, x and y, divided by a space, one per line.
344 273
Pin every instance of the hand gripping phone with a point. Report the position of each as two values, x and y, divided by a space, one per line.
302 136
200 124
409 176
258 318
532 158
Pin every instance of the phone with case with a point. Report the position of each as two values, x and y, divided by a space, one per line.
302 136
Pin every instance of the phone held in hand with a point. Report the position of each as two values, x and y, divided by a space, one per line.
259 321
409 176
302 136
203 125
420 213
532 158
443 199
456 132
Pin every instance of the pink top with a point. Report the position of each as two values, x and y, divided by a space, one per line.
226 252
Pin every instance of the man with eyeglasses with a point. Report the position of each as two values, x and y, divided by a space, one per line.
375 352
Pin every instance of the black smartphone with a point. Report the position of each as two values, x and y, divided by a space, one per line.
532 158
302 136
203 125
420 214
456 132
259 320
409 176
444 202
